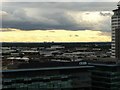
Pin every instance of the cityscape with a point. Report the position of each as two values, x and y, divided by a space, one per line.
63 60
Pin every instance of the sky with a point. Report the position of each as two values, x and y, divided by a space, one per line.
56 21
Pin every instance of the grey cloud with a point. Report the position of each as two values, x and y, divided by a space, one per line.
52 31
70 35
105 34
48 16
85 6
76 35
6 30
106 14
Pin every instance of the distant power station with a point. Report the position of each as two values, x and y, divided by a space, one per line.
116 33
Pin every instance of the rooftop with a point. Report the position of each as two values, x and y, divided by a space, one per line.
108 65
47 68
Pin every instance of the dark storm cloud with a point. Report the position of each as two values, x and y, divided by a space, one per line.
106 14
6 30
85 6
47 16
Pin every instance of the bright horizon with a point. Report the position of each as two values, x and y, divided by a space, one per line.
53 36
56 22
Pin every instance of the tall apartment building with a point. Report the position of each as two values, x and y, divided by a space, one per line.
116 33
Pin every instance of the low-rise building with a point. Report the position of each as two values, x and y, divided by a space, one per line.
52 78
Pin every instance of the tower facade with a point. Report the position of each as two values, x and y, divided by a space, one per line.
116 33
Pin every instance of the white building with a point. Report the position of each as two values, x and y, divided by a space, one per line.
116 33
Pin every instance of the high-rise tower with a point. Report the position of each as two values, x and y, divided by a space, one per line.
116 33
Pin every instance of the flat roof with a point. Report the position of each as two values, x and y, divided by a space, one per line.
104 64
48 68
